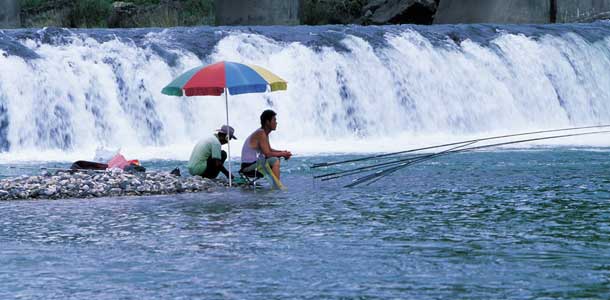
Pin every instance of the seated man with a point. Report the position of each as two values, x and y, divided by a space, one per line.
257 148
207 160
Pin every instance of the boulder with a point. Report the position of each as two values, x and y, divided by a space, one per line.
399 12
122 15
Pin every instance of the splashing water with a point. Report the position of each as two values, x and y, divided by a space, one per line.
351 89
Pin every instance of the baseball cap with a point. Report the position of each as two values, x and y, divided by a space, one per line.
228 130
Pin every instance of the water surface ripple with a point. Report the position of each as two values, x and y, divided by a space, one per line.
529 224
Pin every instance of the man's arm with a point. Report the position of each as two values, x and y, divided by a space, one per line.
263 140
218 164
267 150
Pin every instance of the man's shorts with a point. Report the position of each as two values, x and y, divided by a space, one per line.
250 168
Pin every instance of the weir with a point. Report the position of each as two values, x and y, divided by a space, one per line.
350 89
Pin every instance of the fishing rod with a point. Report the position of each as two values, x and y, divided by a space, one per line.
411 162
379 174
343 173
327 164
404 163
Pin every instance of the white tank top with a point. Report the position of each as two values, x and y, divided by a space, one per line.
249 154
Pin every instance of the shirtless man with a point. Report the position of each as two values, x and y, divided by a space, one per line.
257 146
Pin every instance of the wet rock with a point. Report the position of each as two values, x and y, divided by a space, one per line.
399 12
122 15
112 183
50 191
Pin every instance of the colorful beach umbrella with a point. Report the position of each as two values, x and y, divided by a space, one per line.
228 78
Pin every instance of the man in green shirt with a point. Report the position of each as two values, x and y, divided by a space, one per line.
207 159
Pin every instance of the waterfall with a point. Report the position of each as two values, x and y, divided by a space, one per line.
64 93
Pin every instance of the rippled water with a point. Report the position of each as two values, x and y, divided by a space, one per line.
527 224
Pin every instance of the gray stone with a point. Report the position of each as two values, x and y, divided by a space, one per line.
124 184
399 12
50 191
154 183
122 15
259 12
10 14
493 11
373 5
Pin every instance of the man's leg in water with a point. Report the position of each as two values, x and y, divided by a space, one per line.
274 163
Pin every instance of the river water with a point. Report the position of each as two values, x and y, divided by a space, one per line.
505 224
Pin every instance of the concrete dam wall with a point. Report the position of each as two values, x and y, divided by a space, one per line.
257 12
493 11
9 14
569 11
521 11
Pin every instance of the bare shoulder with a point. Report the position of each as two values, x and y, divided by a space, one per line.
259 134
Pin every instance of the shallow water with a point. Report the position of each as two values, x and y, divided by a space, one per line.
519 224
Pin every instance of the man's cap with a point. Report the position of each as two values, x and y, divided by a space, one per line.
227 130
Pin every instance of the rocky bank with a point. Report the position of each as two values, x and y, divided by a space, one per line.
111 183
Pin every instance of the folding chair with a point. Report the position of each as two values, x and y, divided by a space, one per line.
262 170
251 177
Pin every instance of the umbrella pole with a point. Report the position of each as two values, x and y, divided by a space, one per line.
228 134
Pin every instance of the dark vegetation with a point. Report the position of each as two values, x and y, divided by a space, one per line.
170 13
96 13
319 12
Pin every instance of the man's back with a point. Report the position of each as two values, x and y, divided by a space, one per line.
251 149
205 148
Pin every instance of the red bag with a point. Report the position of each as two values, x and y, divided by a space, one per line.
118 161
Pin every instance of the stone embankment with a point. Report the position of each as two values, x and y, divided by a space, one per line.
89 184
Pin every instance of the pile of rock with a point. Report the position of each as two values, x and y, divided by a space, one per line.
88 184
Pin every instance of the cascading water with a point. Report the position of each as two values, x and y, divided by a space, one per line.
64 93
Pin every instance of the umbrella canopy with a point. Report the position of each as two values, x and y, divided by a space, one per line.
213 79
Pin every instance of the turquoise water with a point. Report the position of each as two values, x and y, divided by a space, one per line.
521 224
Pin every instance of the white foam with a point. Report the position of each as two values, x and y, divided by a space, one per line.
89 94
